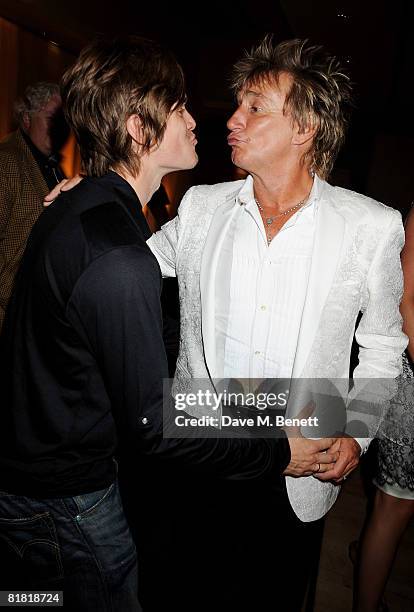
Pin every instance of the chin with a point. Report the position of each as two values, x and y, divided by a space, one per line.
191 164
237 158
239 163
186 163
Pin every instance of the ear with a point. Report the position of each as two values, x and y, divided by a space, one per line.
25 121
304 135
134 128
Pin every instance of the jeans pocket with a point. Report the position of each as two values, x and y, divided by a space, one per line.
89 503
29 547
103 525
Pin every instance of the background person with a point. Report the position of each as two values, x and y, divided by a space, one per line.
393 505
29 169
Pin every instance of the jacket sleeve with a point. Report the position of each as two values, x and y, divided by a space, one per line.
379 334
5 210
165 243
116 309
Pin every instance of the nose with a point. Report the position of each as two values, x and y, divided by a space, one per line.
236 120
190 121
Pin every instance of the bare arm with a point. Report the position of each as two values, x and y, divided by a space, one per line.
407 303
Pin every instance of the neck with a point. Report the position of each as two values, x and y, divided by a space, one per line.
145 184
280 192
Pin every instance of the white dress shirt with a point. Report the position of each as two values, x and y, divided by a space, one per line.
261 290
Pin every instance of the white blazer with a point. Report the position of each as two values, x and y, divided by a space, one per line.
355 268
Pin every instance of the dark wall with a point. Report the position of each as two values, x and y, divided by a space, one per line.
371 37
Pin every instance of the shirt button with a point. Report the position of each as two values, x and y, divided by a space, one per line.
144 421
257 352
263 307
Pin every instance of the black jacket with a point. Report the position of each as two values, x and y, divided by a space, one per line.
82 355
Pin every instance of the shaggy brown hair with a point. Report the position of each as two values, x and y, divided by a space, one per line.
319 97
111 81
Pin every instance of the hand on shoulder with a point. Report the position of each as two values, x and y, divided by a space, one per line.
65 185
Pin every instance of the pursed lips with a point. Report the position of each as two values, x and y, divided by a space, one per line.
233 140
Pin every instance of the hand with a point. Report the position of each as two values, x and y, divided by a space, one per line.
65 185
308 457
349 454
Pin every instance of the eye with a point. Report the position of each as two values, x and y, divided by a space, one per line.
254 109
181 110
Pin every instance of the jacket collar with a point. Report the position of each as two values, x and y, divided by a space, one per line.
128 198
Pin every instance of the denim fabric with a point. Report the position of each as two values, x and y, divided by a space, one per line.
81 545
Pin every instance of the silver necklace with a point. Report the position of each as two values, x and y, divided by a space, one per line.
269 220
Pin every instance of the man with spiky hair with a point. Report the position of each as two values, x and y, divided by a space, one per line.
273 273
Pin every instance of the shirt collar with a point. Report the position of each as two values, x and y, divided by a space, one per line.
246 195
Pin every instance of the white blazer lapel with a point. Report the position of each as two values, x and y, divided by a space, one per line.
220 222
327 247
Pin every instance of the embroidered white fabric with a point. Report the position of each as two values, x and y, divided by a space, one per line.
368 279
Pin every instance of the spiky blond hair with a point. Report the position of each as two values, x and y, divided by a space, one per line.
320 94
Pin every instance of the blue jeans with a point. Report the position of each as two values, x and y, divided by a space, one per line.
81 545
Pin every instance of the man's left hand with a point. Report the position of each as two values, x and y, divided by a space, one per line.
349 454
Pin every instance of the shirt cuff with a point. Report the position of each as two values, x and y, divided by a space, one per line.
363 443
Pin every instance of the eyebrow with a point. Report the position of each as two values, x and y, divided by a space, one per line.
256 94
253 93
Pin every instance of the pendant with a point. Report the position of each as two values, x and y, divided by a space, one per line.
269 221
